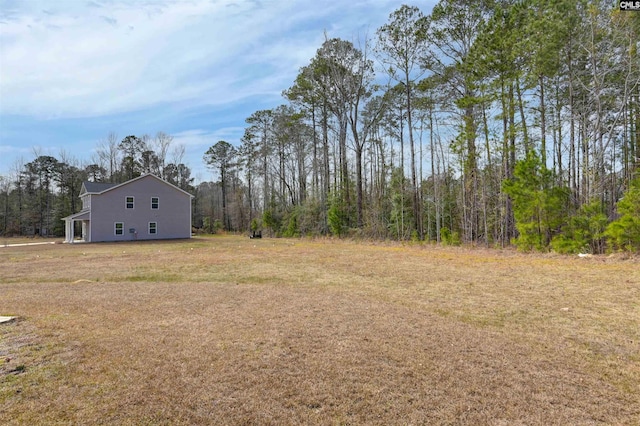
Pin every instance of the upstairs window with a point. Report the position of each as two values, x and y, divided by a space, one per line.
153 227
129 202
155 203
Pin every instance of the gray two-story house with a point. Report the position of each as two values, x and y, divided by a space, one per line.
144 208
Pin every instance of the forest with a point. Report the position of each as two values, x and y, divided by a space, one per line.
493 122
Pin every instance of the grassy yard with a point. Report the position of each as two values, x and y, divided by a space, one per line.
228 330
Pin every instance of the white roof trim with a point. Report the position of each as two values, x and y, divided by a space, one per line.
78 216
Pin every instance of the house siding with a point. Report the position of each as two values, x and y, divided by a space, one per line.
173 217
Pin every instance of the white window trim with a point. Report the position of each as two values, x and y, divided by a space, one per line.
115 228
156 228
133 202
158 203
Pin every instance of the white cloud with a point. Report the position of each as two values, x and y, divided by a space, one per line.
73 58
78 59
136 66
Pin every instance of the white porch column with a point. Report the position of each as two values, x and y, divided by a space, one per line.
69 231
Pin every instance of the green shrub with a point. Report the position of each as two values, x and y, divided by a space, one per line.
624 233
338 216
585 231
449 238
290 225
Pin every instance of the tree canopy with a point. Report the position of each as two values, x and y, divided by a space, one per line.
494 122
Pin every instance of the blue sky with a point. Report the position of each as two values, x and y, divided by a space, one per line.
72 71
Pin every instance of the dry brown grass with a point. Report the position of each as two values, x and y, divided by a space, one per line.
229 330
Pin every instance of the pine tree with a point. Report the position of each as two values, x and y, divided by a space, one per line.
539 206
624 232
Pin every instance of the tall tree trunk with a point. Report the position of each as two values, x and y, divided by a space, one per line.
315 169
359 196
434 177
471 177
344 168
417 211
326 168
543 123
558 140
489 172
523 120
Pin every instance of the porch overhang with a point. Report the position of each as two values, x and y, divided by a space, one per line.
82 216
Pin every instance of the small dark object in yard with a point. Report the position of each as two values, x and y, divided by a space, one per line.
19 369
256 234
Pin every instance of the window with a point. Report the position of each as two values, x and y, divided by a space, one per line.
119 228
155 203
153 227
129 202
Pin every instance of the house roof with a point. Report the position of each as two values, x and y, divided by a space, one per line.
99 188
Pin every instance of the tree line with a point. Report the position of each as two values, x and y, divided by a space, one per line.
487 122
493 122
